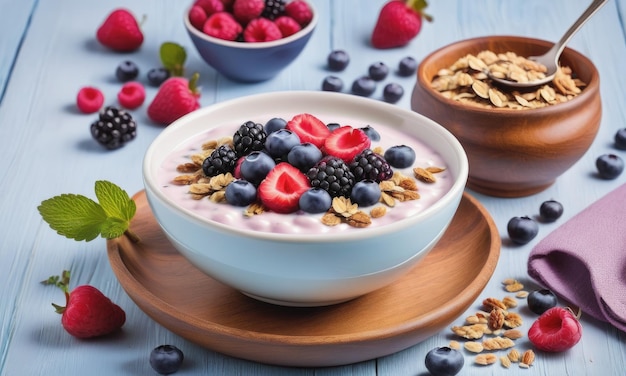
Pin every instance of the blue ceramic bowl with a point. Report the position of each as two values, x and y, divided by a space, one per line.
250 62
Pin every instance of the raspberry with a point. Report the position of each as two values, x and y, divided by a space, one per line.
287 25
261 30
368 165
556 330
300 11
114 128
131 95
222 25
332 175
197 17
209 6
247 10
89 99
249 137
222 160
273 9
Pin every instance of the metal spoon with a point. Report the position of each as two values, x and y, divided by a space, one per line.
551 58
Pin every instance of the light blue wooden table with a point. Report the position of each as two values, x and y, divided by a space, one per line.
48 51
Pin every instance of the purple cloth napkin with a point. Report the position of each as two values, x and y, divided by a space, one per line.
584 260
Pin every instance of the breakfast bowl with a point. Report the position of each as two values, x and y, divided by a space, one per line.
250 61
298 259
520 149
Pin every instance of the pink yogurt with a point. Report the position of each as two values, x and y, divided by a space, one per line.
300 222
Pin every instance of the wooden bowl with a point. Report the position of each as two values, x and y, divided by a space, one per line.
513 153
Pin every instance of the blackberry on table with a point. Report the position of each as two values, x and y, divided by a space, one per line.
368 165
273 9
114 128
222 160
249 137
333 175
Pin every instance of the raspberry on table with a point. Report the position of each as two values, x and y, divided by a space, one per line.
131 95
89 99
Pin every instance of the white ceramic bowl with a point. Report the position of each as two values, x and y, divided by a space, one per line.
305 269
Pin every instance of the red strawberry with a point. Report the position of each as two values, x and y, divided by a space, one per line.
346 142
120 31
222 25
398 23
261 30
300 11
282 188
309 129
247 10
557 329
176 97
287 26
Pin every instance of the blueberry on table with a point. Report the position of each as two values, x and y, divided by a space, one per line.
338 60
126 71
522 229
609 166
156 76
540 301
392 92
166 359
332 83
620 139
407 66
315 200
400 156
550 210
378 71
364 86
444 361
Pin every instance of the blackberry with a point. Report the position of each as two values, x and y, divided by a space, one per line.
273 9
249 137
222 160
332 175
114 128
368 165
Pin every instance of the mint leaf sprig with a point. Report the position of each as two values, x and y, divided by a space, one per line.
81 218
173 57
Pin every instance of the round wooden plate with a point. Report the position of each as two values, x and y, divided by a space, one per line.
425 301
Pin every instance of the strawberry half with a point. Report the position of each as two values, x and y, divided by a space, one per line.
346 142
399 21
282 188
176 97
556 330
309 129
120 31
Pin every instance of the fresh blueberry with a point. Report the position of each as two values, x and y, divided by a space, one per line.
444 361
304 156
363 86
332 83
620 139
550 210
378 71
392 92
365 193
400 156
126 71
240 193
156 76
315 200
371 133
255 167
407 66
540 301
522 229
274 124
280 142
609 166
333 126
166 359
338 60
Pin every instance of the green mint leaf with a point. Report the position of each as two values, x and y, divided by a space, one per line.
173 57
73 216
113 228
115 201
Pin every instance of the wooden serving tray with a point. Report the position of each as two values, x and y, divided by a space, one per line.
425 301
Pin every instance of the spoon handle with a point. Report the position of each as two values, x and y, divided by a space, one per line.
590 11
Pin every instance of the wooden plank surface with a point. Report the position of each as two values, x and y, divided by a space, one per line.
48 52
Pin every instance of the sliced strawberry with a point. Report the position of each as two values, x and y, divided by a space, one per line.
309 129
556 330
346 142
282 188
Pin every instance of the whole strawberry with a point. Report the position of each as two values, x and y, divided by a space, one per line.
88 312
120 31
176 97
556 330
398 23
